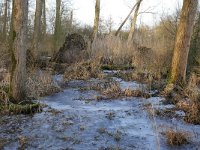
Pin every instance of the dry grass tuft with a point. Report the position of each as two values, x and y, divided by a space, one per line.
136 93
40 84
83 71
193 114
114 91
176 138
193 108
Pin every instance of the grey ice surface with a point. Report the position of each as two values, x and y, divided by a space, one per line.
74 120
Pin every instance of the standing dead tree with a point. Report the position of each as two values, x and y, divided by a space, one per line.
119 29
96 19
134 20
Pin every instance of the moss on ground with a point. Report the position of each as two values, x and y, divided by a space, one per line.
24 108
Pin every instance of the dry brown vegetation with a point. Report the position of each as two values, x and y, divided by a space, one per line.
83 70
186 98
192 108
110 89
40 83
176 138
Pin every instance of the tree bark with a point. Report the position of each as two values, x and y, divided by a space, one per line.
44 17
18 73
57 30
71 19
182 42
133 24
37 27
96 19
11 28
5 20
194 54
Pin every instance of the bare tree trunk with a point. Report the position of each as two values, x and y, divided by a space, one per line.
5 20
18 73
11 28
37 28
133 24
44 17
182 43
96 19
71 19
57 30
194 54
118 30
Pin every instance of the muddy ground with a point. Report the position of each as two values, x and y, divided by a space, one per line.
74 119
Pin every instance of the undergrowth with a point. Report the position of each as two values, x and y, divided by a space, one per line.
39 84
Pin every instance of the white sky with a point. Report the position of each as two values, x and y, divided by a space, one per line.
118 10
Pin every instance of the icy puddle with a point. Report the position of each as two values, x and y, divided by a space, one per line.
73 119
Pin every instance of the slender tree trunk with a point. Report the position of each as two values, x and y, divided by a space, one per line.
133 24
44 17
182 43
119 29
96 19
57 30
18 73
9 16
71 19
5 20
11 27
37 28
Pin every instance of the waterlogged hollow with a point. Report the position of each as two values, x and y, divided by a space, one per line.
73 119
